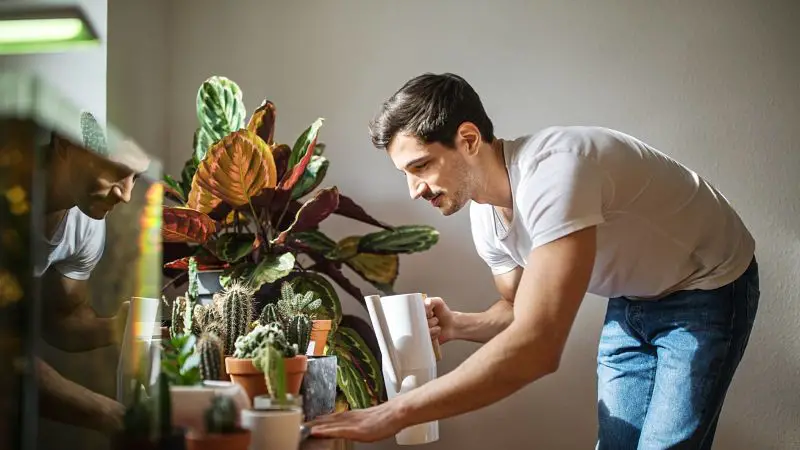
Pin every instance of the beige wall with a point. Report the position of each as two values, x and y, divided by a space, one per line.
713 85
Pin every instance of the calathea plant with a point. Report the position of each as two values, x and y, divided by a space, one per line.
251 206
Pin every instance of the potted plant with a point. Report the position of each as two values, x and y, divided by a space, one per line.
147 424
297 313
222 430
255 226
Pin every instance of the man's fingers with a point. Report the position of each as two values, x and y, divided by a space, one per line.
433 321
436 331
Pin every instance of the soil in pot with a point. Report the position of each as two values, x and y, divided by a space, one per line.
246 375
240 440
319 337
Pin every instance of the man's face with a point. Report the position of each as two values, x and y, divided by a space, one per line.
434 172
98 184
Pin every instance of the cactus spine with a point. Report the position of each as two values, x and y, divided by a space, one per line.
209 346
237 310
298 331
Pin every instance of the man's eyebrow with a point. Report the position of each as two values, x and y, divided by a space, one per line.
415 161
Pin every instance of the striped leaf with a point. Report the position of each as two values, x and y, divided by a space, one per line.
314 211
181 224
315 240
358 371
381 270
301 155
235 169
231 247
401 239
220 111
271 269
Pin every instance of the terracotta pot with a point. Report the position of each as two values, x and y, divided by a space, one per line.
246 375
319 336
295 370
230 441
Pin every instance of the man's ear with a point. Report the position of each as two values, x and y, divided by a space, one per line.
468 138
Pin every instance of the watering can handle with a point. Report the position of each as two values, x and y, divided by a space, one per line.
436 351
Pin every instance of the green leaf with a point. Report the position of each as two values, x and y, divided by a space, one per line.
400 239
192 362
232 247
271 269
174 188
358 370
312 177
301 155
187 342
316 240
220 111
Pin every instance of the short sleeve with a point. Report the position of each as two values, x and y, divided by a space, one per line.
81 264
499 261
562 195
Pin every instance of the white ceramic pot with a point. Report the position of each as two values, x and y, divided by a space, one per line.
273 429
189 403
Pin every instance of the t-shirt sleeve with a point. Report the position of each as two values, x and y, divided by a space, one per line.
83 262
562 195
499 262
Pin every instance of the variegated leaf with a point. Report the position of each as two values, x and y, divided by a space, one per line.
220 111
262 122
314 211
181 224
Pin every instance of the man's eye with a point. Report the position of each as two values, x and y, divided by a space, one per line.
421 165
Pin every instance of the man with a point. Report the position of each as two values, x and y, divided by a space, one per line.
557 214
84 185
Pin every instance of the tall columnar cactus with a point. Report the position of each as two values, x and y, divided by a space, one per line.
298 331
209 347
193 291
291 304
237 310
178 317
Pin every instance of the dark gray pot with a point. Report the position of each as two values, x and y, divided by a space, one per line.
319 386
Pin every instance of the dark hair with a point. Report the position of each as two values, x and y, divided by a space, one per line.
430 107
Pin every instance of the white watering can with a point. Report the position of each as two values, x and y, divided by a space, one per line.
408 359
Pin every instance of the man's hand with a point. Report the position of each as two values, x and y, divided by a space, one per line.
440 319
120 320
360 425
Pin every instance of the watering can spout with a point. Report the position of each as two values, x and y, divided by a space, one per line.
385 343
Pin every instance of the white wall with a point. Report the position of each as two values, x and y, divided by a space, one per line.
714 85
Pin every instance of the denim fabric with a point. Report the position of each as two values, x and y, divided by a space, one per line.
664 366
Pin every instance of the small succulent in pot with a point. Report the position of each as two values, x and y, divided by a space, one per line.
222 428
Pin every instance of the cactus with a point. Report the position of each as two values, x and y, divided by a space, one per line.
400 239
269 314
270 361
193 291
220 417
237 310
250 345
291 304
209 347
178 317
298 331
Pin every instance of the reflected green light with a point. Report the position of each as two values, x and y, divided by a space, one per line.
42 30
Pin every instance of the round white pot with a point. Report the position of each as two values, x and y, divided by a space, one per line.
189 403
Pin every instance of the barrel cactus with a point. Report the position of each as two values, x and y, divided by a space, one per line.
237 310
269 314
220 417
209 347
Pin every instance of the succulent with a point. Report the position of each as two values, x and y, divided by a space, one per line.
237 310
178 317
269 314
209 347
193 291
220 417
180 361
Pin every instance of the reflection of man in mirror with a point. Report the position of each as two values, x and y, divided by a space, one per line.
83 185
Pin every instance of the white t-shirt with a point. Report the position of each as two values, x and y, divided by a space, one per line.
76 246
661 227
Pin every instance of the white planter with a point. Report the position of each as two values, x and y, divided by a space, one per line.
189 403
273 428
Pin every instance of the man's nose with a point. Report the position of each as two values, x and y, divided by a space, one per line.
415 187
123 190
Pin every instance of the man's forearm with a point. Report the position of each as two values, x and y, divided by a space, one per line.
483 326
504 365
65 401
81 331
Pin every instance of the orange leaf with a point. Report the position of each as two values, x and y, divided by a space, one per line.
262 122
180 224
235 169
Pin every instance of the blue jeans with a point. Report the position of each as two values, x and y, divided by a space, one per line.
664 366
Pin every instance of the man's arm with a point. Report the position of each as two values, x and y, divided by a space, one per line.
67 402
483 326
69 323
548 298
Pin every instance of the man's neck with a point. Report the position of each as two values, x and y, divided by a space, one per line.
494 186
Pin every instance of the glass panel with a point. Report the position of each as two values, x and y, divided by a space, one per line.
80 271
